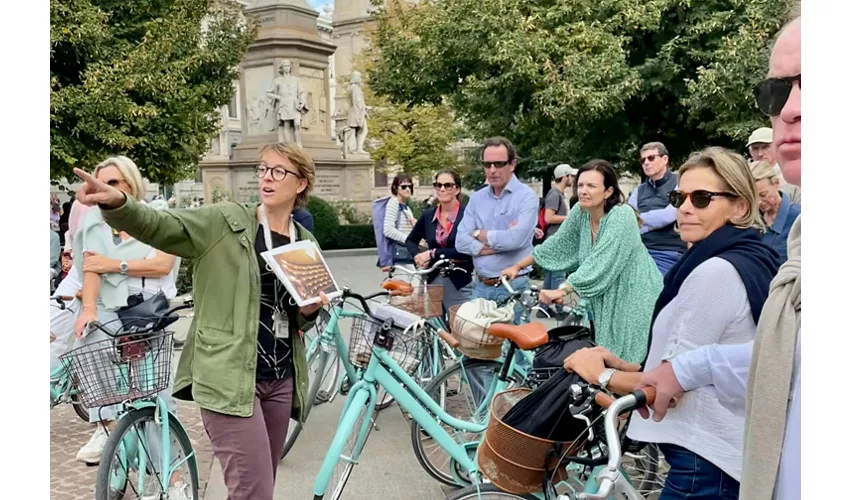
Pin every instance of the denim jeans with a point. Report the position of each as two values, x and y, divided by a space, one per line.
480 380
551 281
692 477
664 259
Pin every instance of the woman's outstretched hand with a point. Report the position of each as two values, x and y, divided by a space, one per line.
94 192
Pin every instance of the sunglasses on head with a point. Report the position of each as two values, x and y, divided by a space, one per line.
447 185
497 164
772 93
699 198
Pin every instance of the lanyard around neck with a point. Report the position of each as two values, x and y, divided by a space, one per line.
267 234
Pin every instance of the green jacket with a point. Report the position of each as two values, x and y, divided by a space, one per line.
218 365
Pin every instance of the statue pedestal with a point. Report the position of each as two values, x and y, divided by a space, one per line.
287 31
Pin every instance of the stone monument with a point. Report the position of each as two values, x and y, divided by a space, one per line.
288 33
288 99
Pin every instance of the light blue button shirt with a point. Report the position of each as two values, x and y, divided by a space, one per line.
776 236
509 219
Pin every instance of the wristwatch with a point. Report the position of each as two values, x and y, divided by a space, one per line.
605 378
124 267
476 233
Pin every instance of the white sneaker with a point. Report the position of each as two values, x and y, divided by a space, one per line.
90 453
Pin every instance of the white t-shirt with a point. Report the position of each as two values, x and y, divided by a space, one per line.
711 308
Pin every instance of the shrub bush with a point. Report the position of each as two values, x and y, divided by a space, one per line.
325 220
351 236
184 277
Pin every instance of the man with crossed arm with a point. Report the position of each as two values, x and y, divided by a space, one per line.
497 230
656 214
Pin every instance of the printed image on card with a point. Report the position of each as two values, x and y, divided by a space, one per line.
302 269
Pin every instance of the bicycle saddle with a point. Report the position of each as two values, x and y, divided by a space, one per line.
527 336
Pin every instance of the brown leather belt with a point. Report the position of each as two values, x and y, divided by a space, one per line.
495 281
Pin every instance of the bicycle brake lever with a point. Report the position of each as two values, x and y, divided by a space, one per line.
544 311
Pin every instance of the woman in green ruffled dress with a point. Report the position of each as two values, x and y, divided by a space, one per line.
600 248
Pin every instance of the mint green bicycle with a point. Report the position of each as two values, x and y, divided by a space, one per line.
325 364
148 454
390 349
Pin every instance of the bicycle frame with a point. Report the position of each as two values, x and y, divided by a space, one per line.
60 386
383 371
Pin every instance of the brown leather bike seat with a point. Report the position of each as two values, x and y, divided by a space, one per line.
397 287
527 336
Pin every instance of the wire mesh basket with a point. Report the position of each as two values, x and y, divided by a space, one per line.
474 340
120 369
404 349
514 461
426 301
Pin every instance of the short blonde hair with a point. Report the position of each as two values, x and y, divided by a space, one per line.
302 162
736 174
764 170
129 171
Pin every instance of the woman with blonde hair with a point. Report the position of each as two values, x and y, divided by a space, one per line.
777 209
114 267
713 295
244 361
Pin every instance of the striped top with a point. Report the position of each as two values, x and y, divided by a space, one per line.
398 227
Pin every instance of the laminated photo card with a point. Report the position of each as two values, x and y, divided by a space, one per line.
303 271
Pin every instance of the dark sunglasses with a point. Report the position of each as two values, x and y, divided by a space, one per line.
447 185
699 198
650 158
772 94
113 182
497 164
406 186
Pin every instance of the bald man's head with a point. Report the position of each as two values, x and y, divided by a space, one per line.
787 125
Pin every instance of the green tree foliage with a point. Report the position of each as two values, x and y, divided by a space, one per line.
569 80
144 78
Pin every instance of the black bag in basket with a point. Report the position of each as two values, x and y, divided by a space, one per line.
142 315
563 341
545 413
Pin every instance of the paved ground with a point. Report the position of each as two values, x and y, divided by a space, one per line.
388 470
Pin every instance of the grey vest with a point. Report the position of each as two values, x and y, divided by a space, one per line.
652 195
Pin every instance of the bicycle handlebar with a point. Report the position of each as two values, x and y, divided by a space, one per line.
610 475
449 263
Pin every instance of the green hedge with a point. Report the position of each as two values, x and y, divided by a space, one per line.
350 236
325 220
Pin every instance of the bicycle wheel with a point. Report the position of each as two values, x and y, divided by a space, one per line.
130 466
345 462
486 491
647 470
79 408
451 390
319 371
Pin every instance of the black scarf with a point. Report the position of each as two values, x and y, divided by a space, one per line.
755 262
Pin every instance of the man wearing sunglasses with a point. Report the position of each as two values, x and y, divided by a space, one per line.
656 214
497 230
760 145
761 379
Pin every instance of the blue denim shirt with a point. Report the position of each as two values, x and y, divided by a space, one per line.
777 234
509 220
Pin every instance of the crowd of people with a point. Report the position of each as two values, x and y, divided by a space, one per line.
693 282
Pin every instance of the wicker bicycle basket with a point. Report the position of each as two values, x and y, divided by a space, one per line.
120 369
426 301
404 350
514 461
474 340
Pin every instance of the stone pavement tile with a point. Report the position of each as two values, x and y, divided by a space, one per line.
72 480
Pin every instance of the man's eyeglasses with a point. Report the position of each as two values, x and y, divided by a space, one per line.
699 198
649 158
278 173
497 164
447 185
772 94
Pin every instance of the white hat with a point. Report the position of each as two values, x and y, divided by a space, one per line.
762 135
564 169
